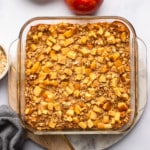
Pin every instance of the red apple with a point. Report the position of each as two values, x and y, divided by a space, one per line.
84 7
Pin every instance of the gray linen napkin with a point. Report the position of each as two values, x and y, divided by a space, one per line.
11 131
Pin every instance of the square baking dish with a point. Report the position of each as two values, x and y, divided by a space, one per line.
85 114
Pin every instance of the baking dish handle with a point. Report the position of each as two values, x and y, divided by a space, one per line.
142 77
12 76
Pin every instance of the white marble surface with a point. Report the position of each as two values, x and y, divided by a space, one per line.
14 13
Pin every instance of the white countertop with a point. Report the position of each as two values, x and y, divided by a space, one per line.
14 13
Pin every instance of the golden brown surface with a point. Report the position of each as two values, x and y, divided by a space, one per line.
77 76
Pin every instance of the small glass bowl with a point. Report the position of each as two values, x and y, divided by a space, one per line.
5 69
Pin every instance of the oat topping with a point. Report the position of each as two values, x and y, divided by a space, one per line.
77 76
3 61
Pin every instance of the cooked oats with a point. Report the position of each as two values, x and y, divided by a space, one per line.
77 76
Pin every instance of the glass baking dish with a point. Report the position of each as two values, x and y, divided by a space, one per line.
17 72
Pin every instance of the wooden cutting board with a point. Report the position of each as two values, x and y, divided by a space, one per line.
50 142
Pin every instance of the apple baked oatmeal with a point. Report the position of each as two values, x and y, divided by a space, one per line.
77 76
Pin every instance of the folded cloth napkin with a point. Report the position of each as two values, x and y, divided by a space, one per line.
11 131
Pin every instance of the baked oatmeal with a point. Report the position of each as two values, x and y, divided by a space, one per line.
77 76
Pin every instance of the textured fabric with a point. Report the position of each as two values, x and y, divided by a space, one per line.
11 131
